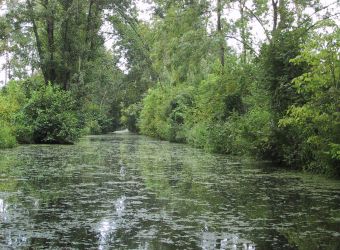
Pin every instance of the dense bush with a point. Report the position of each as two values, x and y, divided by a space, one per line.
216 101
130 116
224 119
211 115
254 132
94 119
164 110
33 112
12 98
49 116
315 123
7 139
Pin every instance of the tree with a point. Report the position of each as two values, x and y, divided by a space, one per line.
317 120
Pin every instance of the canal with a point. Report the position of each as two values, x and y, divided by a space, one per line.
125 191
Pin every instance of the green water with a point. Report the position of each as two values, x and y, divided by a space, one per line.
126 191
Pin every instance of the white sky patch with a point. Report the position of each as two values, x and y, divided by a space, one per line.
145 8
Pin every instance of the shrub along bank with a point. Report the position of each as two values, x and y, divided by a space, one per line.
34 112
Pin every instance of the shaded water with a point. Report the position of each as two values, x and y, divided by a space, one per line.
126 191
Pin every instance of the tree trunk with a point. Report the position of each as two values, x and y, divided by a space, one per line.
65 75
282 10
50 41
7 65
243 32
37 40
275 14
220 32
89 28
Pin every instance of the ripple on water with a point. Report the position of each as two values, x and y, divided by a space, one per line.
132 192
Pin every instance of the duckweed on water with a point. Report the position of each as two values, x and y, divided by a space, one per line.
131 192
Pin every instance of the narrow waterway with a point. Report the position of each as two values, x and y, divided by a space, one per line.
124 191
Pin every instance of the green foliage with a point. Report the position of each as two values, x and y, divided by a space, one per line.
33 112
219 97
316 122
276 73
213 137
12 98
180 44
7 139
152 118
279 71
102 92
217 100
211 115
50 116
226 118
130 116
164 110
255 131
95 119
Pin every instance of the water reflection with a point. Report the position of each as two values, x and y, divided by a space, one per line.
122 171
15 241
7 236
106 230
2 206
212 240
130 192
3 211
144 246
120 205
108 226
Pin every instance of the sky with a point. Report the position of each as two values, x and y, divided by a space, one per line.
145 14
